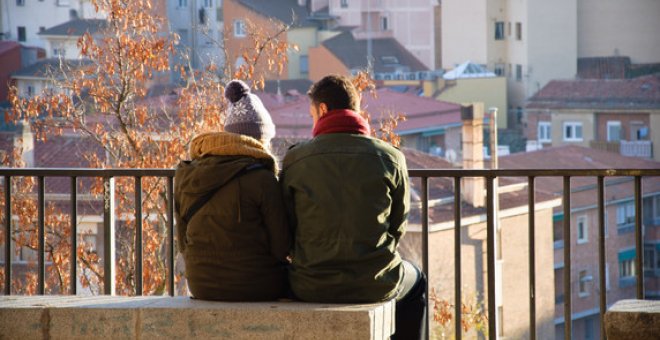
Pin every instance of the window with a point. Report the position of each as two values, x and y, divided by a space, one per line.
518 31
649 258
518 72
42 29
304 64
208 3
627 268
544 132
613 131
183 3
59 52
499 70
29 90
343 3
639 131
22 36
183 36
20 2
584 278
582 230
239 28
589 328
384 24
499 30
89 243
625 214
573 131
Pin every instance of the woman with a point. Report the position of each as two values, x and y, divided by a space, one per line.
231 221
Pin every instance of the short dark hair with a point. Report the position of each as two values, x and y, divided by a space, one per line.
336 91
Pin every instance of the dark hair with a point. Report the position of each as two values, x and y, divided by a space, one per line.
337 92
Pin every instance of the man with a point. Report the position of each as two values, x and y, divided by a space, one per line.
348 198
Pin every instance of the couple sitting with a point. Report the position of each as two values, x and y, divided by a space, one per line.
338 210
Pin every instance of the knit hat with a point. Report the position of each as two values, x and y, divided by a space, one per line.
246 114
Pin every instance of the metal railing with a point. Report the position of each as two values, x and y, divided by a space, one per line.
490 176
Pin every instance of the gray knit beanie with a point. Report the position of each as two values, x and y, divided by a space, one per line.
246 114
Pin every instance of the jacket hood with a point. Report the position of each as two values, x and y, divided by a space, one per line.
216 158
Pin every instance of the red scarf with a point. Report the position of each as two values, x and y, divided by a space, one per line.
341 121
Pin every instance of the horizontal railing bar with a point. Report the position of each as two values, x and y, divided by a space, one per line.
81 172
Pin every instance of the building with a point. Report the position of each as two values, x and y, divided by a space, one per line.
512 287
522 40
23 20
469 83
269 17
61 41
10 61
199 24
619 234
413 23
612 114
345 54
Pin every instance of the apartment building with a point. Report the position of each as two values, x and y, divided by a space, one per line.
533 42
619 232
618 115
199 24
23 20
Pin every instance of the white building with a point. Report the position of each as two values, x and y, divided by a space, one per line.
23 20
199 25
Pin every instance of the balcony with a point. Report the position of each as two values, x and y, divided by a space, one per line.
639 148
423 179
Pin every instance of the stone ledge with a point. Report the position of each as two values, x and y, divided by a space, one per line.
75 317
632 320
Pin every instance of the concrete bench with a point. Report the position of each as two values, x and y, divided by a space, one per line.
633 320
75 317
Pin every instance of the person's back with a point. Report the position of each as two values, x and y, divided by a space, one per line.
231 220
347 197
350 205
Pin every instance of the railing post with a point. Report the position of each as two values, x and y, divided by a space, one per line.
425 246
138 235
639 238
170 234
74 236
41 255
490 258
567 258
532 258
601 254
8 218
109 235
458 303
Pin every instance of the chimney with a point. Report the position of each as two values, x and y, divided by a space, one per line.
473 188
24 139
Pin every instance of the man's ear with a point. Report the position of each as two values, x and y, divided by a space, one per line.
323 109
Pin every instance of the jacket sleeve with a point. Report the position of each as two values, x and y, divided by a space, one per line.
400 202
274 214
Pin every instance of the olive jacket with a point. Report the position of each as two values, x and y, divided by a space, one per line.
348 199
235 245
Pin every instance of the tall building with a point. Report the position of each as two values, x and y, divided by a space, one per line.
533 41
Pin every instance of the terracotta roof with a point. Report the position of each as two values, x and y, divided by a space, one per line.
76 27
8 45
578 157
43 68
422 113
282 10
389 55
636 93
288 86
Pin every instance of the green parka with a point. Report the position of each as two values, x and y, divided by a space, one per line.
348 199
235 246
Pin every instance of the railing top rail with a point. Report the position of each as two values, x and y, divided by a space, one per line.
87 172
